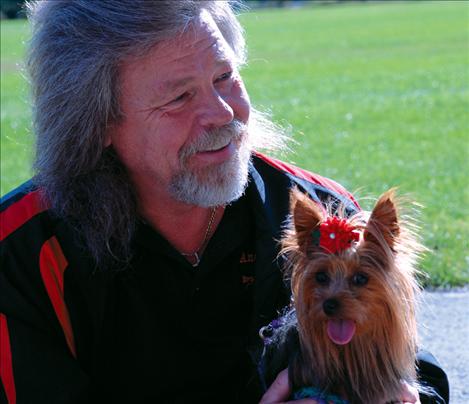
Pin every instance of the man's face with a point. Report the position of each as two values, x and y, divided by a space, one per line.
185 110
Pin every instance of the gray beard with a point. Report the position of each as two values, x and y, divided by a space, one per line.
214 185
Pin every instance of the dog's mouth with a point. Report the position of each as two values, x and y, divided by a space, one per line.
340 331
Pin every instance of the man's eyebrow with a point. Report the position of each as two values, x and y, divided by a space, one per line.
172 86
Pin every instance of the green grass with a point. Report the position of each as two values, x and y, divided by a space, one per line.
377 96
15 111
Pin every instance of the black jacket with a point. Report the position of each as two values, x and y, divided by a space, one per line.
71 333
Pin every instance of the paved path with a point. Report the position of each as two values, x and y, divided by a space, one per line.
444 331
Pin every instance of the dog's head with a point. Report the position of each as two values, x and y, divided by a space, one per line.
351 276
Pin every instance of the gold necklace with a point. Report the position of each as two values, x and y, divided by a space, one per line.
196 255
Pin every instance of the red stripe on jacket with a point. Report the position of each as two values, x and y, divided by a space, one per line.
308 176
20 212
52 264
6 367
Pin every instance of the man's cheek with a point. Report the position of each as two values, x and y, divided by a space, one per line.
241 103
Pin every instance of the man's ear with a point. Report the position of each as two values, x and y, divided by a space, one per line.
306 215
107 138
383 224
111 128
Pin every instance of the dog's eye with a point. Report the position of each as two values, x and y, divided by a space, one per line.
322 278
360 279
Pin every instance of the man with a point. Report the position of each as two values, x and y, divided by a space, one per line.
140 262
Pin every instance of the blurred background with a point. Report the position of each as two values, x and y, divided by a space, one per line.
375 94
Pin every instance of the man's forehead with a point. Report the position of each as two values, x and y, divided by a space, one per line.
175 62
202 32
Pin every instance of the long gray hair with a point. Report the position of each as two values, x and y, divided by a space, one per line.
73 61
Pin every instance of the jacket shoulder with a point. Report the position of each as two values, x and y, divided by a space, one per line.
319 187
19 207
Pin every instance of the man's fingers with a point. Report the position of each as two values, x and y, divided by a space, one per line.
409 393
279 391
303 401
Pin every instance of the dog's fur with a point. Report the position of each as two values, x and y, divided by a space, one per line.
372 284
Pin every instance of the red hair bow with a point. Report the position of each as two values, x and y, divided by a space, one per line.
335 234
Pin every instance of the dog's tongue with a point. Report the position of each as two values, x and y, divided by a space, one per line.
340 331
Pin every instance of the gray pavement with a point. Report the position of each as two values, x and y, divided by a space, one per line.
444 331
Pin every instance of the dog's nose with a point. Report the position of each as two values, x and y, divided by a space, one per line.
330 306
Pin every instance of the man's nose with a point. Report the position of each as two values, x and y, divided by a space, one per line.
215 110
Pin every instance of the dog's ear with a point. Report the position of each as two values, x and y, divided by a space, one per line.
383 224
306 214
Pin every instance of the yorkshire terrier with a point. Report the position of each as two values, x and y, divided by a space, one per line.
351 334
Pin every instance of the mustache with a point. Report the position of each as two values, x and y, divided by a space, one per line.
215 138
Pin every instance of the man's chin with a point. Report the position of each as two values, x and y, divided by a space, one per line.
213 185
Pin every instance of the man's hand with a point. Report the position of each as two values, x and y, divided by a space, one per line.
409 394
280 390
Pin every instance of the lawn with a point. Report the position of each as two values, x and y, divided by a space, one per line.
15 112
376 95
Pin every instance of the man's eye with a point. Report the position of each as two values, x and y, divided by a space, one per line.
224 76
182 97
